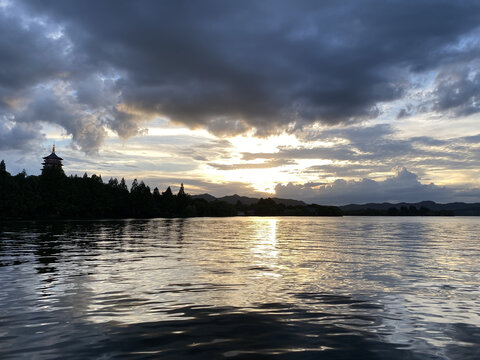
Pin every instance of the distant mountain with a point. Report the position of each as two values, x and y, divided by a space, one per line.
458 208
207 197
232 199
289 202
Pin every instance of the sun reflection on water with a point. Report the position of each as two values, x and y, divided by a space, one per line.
408 281
265 238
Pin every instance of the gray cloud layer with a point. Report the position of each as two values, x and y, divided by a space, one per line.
360 151
404 186
228 66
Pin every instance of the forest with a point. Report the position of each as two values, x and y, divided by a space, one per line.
55 195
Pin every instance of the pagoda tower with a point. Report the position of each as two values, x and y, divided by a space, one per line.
52 161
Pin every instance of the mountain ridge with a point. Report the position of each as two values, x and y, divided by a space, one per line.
457 208
232 199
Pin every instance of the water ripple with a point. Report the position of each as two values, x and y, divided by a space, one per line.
254 288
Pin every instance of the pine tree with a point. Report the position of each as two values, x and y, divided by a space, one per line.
123 185
113 182
181 192
134 186
168 193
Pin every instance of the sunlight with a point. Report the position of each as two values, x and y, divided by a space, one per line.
263 180
246 143
264 250
175 131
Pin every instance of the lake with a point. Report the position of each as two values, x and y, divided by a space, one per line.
241 288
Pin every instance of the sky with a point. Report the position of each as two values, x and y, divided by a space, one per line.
332 102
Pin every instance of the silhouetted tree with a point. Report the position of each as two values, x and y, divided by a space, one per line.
423 211
54 195
113 182
201 207
181 191
392 211
183 200
267 207
221 208
141 199
134 185
123 185
168 192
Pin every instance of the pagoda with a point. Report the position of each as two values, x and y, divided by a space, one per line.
52 161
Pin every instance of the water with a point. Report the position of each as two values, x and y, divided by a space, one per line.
241 288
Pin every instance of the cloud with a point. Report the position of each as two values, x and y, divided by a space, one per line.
18 136
226 127
44 80
54 103
229 67
457 91
30 54
348 170
368 150
265 165
404 186
403 113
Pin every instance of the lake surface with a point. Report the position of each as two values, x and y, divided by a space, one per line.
241 288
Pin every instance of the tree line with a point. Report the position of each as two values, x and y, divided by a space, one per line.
55 195
402 211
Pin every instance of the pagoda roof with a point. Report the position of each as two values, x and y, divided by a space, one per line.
53 156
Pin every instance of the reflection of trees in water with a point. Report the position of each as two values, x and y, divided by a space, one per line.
49 247
95 235
161 230
55 242
16 242
171 229
180 229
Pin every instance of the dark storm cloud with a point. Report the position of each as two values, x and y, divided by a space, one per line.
45 79
458 91
232 66
19 136
28 56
